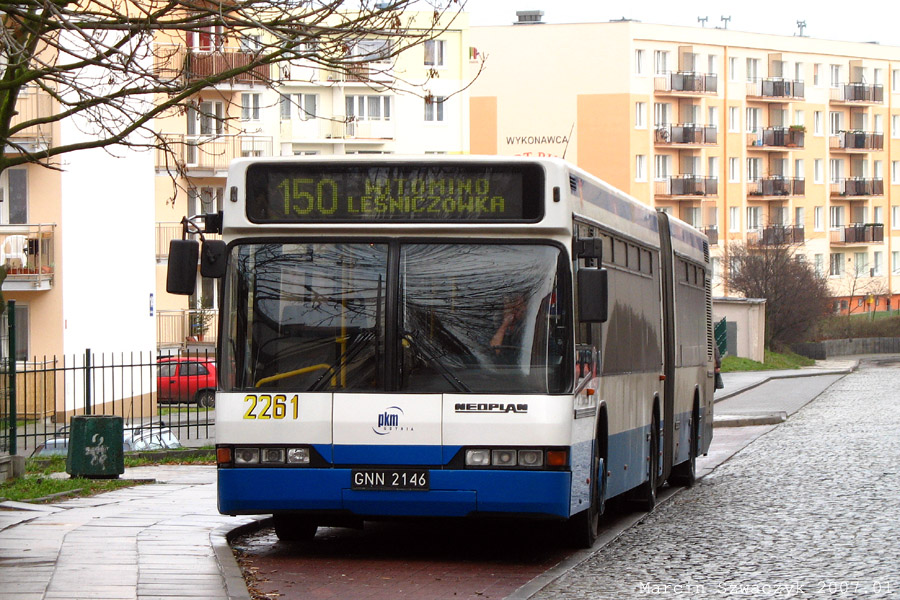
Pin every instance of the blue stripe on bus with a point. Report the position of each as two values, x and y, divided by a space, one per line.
453 493
361 454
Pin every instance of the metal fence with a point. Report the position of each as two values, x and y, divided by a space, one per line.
149 391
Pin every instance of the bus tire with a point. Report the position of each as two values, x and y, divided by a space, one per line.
584 527
292 528
645 494
685 474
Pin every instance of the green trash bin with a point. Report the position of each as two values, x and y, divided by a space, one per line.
95 447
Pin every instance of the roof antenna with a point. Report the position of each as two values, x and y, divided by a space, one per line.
801 25
703 20
725 20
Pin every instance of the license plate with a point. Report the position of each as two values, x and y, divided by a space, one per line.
390 479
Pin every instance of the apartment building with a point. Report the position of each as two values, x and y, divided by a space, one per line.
411 104
753 138
74 242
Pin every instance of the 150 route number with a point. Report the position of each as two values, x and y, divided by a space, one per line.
272 406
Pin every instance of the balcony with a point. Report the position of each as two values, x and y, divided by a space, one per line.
711 232
857 187
176 62
30 105
779 138
168 231
857 93
686 82
361 73
688 186
775 188
857 141
776 90
176 328
208 155
858 233
776 235
27 250
685 135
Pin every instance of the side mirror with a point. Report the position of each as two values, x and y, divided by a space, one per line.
593 295
212 258
181 277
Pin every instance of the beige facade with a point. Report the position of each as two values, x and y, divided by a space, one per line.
751 137
379 107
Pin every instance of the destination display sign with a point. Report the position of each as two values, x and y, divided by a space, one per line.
398 192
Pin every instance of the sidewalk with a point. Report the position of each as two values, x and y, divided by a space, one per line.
166 540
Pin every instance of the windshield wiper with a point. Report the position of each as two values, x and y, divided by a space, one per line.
419 349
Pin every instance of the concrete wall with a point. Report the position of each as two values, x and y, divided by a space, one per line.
749 318
828 348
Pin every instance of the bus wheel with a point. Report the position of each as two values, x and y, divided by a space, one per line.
585 526
645 495
291 528
686 473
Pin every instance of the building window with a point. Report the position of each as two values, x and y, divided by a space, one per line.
895 126
877 263
835 76
712 166
434 53
895 261
752 69
734 120
369 108
712 64
713 116
661 62
819 218
895 217
640 115
639 62
734 170
434 108
817 70
206 118
306 106
879 215
798 168
819 264
836 120
754 119
250 107
836 268
754 169
817 170
799 216
734 218
754 217
798 71
861 264
836 216
817 122
732 68
640 168
376 51
205 200
895 172
662 166
878 76
661 112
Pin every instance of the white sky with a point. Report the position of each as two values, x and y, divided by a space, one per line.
866 21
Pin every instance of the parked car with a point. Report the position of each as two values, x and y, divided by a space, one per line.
134 439
186 379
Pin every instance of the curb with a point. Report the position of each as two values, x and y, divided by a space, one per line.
220 538
800 373
750 420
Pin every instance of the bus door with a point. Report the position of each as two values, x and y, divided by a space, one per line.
668 324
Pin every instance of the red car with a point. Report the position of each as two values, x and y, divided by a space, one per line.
186 379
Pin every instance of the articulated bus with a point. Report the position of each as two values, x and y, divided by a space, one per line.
450 337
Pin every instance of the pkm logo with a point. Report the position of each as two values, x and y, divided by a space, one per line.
390 420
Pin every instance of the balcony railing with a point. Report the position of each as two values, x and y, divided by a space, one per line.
858 186
27 250
168 231
858 233
857 140
779 137
864 93
712 232
776 186
776 235
687 82
32 104
361 73
210 153
776 88
174 62
688 185
686 134
181 327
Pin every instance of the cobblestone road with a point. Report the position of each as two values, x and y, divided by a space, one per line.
810 510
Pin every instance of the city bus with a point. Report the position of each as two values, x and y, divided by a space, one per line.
450 336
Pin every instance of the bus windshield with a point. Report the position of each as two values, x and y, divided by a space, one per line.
399 317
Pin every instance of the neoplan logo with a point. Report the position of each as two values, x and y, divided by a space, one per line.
492 407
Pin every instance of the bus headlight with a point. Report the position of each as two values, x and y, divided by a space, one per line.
298 456
478 458
503 458
273 455
246 456
531 458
